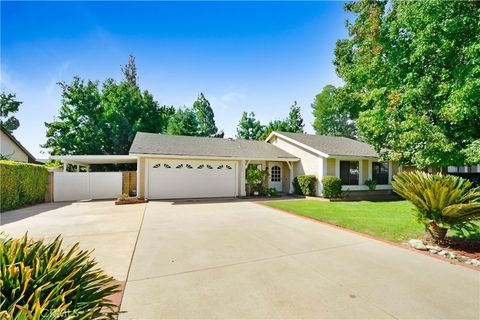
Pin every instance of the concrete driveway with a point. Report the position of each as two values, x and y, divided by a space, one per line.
238 259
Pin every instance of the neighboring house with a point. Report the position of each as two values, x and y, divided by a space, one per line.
195 167
12 149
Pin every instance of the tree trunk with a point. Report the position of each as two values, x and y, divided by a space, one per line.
434 232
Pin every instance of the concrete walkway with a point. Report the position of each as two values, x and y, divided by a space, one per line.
238 259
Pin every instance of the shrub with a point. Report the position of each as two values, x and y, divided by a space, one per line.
42 280
21 184
441 201
255 179
371 184
271 192
305 185
122 197
332 187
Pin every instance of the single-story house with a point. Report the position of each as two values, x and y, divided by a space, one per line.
169 167
12 149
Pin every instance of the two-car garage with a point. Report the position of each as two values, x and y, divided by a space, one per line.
169 167
170 179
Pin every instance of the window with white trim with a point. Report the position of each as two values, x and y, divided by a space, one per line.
349 172
380 172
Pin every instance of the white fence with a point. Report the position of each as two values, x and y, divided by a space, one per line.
72 186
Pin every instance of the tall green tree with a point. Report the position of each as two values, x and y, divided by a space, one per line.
412 72
205 117
249 127
295 120
184 122
8 105
330 117
94 120
293 123
275 125
130 70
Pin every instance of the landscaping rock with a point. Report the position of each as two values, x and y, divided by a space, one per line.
469 261
443 253
462 258
417 244
475 262
430 247
433 251
451 255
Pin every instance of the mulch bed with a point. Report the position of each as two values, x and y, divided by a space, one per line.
464 247
131 200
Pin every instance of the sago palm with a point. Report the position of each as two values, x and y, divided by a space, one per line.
440 200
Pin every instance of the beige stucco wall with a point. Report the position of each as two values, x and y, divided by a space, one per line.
10 150
309 163
330 167
395 168
365 171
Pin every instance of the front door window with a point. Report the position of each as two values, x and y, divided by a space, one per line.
275 179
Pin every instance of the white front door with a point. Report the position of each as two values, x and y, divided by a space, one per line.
170 179
275 178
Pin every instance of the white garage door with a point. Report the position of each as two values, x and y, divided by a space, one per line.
170 179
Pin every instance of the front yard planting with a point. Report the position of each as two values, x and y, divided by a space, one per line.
392 220
40 280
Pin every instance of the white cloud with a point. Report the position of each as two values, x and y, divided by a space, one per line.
227 100
57 77
6 81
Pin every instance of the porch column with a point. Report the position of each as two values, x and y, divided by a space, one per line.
243 166
290 169
138 177
78 168
65 166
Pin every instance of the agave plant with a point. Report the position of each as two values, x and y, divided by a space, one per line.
441 201
43 281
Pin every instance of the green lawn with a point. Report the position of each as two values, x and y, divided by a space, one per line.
391 220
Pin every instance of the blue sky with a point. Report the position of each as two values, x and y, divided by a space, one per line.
252 56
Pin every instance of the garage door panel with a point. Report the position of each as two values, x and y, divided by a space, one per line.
172 179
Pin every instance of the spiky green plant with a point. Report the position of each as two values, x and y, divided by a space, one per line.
43 281
439 200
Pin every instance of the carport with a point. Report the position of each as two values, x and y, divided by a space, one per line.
86 185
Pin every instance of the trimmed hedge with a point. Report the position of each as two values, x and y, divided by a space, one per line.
21 184
332 187
305 185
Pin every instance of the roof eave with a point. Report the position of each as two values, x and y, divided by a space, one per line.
183 156
298 143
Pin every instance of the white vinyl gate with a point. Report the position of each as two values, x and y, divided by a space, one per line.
72 186
173 179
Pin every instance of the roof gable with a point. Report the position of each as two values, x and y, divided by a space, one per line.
30 157
171 145
330 145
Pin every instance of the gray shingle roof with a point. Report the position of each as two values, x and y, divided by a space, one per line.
334 146
161 144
